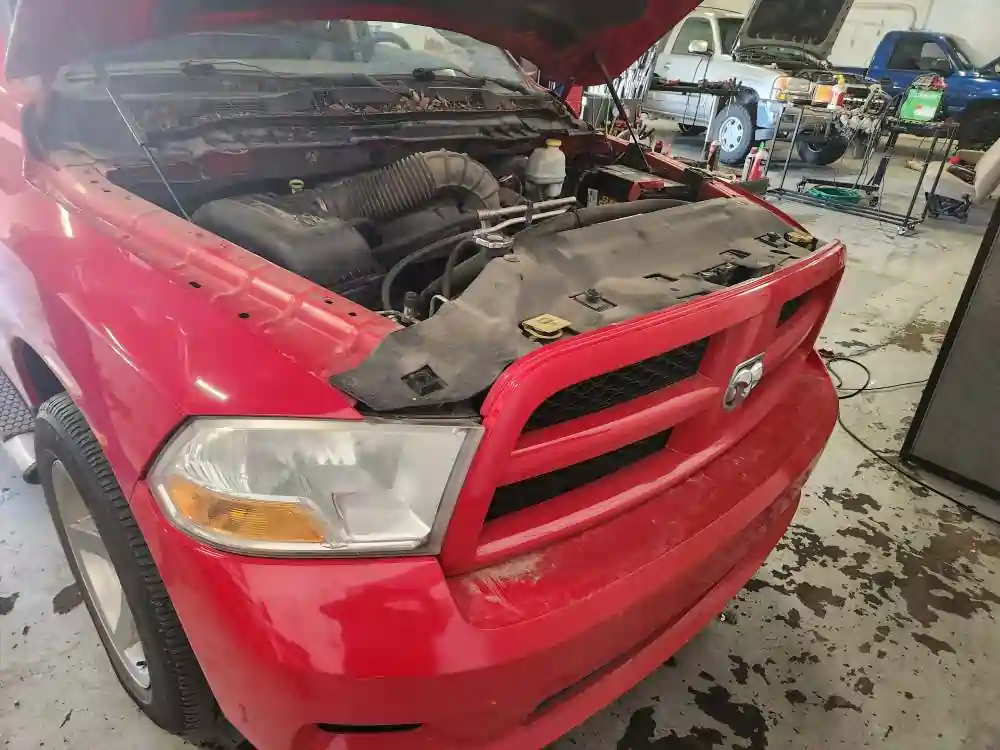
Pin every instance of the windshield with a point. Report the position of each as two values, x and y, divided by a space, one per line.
960 47
373 48
729 29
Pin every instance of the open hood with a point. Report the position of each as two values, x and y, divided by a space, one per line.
560 36
812 25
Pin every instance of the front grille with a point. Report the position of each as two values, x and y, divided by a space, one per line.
515 497
618 387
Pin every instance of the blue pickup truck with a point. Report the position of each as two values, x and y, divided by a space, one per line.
973 93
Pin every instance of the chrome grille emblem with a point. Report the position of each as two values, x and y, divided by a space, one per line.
745 379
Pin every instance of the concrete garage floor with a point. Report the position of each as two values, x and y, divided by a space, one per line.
871 625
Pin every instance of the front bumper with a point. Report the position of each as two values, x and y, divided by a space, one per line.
504 657
817 123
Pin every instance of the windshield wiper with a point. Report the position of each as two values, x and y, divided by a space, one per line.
189 68
212 68
208 68
430 74
199 68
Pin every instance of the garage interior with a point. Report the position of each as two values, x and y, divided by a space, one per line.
871 625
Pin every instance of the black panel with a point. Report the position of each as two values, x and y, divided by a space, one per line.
618 387
956 430
515 497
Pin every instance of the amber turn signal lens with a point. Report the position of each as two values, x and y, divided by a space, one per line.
248 519
823 94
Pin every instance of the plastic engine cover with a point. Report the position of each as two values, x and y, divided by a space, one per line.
327 251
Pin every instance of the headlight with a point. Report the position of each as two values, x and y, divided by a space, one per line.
787 89
313 487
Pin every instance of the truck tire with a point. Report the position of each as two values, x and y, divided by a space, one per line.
117 577
821 154
688 129
734 129
979 127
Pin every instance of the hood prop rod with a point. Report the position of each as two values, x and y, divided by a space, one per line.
135 130
620 106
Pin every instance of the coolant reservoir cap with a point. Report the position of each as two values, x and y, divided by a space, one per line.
545 327
553 143
802 239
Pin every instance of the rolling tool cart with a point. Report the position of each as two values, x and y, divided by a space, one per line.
861 197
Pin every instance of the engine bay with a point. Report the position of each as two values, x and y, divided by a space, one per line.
396 196
484 254
472 209
481 261
408 237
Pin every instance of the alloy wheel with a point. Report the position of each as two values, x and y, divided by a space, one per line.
101 583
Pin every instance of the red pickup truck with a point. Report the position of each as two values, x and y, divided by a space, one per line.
378 401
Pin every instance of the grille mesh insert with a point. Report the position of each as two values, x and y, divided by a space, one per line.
515 497
618 387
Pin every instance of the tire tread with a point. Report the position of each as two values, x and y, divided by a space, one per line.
197 707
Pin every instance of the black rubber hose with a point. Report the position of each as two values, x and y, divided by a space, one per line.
585 217
461 276
421 254
408 184
449 267
385 252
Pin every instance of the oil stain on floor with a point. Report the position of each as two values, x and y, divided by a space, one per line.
7 603
68 599
847 635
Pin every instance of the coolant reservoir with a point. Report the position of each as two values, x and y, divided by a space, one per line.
838 94
546 170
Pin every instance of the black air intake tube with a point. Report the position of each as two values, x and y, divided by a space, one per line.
408 184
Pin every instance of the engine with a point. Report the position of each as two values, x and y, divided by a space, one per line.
425 226
346 235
